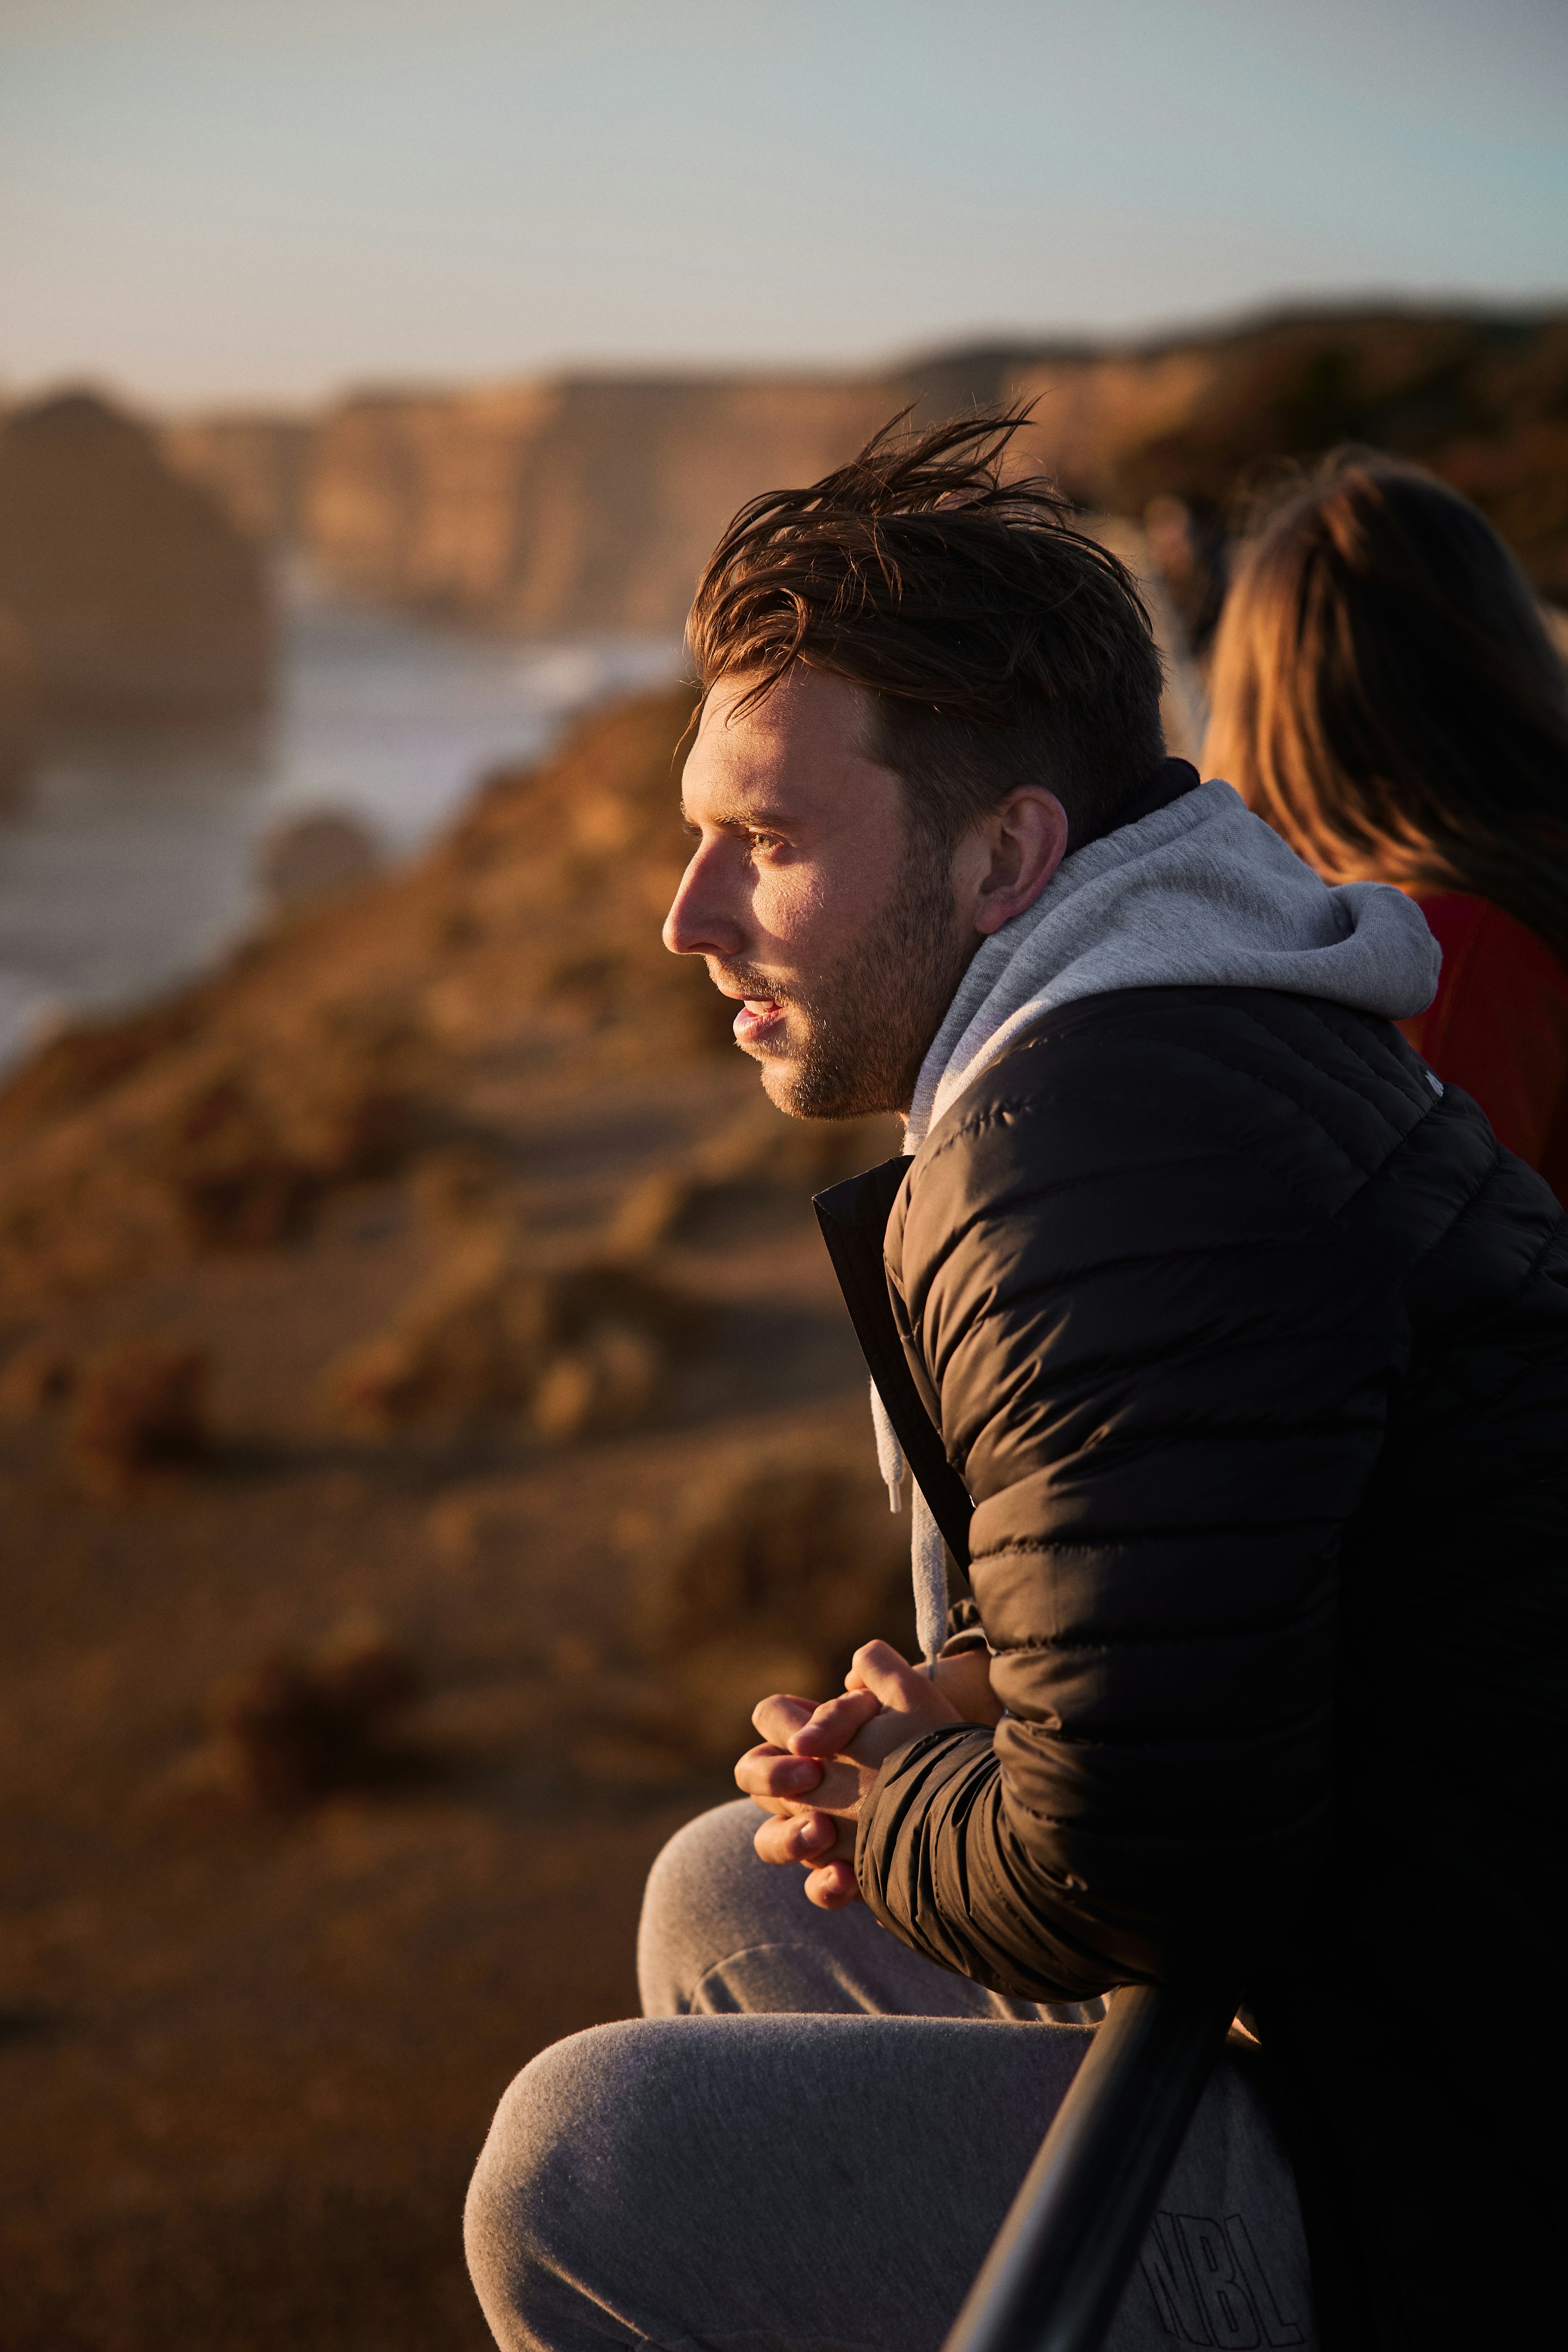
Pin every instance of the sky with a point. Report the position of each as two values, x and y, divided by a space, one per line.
240 202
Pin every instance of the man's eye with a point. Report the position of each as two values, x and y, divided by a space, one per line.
763 840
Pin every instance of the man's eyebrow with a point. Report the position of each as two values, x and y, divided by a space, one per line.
746 820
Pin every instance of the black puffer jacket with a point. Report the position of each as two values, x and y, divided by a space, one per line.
1251 1351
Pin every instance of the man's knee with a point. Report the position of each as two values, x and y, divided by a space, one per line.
525 2199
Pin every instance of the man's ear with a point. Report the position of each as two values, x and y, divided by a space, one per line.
1016 849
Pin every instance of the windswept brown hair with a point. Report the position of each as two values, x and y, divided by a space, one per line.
1385 693
997 646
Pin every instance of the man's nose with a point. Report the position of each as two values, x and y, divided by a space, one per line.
699 921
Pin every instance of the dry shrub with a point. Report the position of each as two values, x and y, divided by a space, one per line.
763 1155
41 1373
578 1349
654 1211
295 1727
776 1569
480 1527
200 1146
799 1540
246 1163
764 1148
235 1184
138 1407
89 1058
609 1381
459 1183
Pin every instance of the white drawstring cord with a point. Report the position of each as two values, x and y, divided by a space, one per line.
928 1560
890 1453
928 1553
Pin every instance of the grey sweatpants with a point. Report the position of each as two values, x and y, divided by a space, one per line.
809 2142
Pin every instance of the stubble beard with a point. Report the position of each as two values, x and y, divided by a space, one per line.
868 1021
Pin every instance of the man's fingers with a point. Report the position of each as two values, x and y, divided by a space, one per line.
879 1668
809 1837
769 1772
832 1886
835 1723
778 1717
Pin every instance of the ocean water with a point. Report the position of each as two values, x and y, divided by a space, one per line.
131 861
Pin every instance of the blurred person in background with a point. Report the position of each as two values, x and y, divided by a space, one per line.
1385 693
1188 541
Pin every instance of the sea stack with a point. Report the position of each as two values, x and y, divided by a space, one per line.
139 598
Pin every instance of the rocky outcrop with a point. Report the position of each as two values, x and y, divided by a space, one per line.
590 502
137 597
313 856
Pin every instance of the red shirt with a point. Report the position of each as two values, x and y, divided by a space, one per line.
1499 1027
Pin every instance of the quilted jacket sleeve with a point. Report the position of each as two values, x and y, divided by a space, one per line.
1145 1276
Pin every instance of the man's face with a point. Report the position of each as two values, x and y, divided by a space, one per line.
836 931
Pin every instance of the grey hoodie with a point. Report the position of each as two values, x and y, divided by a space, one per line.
1201 893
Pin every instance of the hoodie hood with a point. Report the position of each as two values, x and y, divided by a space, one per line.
1199 894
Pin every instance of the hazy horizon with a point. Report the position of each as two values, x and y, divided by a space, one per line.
633 367
259 203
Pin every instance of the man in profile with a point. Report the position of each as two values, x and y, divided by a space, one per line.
1232 1352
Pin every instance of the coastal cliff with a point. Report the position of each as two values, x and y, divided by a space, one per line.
590 502
576 505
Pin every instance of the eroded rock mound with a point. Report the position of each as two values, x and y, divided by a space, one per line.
315 856
138 596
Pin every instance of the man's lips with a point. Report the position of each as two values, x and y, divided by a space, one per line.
759 1016
756 1017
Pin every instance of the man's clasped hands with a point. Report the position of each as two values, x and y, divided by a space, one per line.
815 1765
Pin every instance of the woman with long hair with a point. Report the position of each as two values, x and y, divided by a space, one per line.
1386 693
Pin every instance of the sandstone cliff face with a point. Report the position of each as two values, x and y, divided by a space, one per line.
256 466
575 505
585 502
1483 402
137 596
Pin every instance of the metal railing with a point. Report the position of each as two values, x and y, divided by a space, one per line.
1062 2258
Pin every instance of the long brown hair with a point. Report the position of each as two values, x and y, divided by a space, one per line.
1385 693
